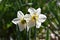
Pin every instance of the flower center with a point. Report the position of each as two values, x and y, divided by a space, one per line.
23 21
35 17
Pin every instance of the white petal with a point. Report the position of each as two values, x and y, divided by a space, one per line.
38 24
42 18
27 28
31 10
16 20
21 26
31 23
20 14
27 17
38 11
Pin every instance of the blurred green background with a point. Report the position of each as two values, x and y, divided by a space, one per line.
8 11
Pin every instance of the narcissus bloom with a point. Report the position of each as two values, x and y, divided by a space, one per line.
36 16
21 20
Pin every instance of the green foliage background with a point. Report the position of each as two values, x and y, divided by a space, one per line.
8 11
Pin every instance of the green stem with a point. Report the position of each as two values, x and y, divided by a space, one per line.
27 33
18 33
35 31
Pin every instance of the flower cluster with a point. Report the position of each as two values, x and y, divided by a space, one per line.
35 18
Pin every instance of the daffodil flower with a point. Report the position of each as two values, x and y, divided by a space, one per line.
21 20
36 16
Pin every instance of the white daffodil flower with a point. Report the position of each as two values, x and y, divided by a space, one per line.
36 16
21 20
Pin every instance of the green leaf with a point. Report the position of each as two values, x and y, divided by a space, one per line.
47 34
